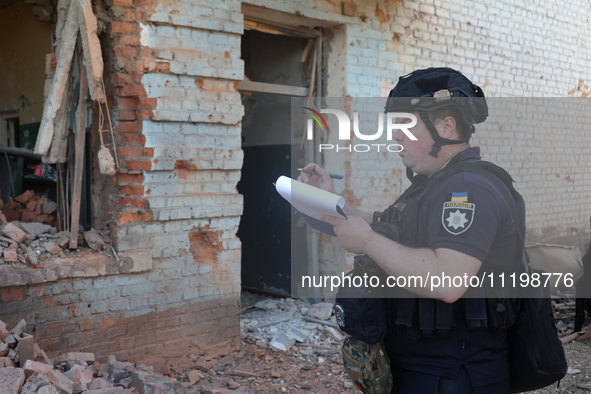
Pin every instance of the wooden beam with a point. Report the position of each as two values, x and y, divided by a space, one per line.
92 50
57 90
79 159
261 87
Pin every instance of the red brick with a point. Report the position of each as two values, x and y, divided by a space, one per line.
148 152
37 291
129 103
130 152
144 114
130 178
131 91
121 51
146 52
12 295
132 190
124 78
133 66
135 15
108 321
129 127
123 3
127 115
125 218
130 39
150 102
161 68
136 202
139 165
123 27
48 301
146 217
145 3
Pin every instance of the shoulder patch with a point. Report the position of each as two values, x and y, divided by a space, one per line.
458 213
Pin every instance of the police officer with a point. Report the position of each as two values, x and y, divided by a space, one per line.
463 226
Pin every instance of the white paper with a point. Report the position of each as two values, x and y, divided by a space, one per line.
309 200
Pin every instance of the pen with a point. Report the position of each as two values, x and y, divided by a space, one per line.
334 176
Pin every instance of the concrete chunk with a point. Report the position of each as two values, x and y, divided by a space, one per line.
322 310
6 362
36 228
11 380
296 334
13 232
282 343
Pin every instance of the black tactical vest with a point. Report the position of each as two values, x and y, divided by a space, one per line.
418 316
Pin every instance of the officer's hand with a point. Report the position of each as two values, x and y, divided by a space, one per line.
351 233
322 180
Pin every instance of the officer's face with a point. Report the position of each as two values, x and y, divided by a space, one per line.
415 154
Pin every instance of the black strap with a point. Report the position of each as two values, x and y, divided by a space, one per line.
503 188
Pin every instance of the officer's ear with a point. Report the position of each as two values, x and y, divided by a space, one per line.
447 128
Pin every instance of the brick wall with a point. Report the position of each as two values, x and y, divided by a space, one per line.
171 71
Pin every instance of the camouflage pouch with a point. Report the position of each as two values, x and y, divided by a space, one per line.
367 365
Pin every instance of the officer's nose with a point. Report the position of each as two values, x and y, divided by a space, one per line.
398 136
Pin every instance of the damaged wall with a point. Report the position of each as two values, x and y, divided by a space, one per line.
170 72
22 63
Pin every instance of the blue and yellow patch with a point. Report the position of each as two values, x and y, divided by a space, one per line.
459 197
458 213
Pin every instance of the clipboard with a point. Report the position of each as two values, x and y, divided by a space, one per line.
312 202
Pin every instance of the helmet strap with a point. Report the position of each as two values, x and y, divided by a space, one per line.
435 135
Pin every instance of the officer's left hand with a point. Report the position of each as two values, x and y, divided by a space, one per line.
351 233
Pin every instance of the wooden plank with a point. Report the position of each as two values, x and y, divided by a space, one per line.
59 144
261 87
79 159
57 90
91 47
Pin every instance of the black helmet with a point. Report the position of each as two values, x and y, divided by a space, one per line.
434 88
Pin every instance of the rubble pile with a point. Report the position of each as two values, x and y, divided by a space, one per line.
287 345
33 243
29 208
26 369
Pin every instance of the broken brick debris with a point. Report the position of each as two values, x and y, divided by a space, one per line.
28 208
72 373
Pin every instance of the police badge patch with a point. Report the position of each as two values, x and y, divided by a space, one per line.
458 213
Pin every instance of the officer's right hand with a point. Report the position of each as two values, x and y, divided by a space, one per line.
322 180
